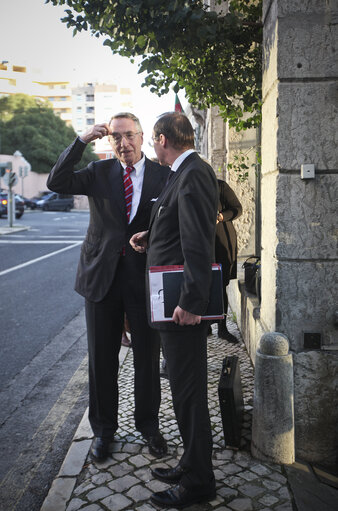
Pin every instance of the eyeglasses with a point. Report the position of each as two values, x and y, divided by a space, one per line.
153 140
129 136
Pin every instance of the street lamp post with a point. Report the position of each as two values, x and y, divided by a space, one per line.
2 63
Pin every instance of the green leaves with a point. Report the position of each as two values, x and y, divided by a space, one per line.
215 57
32 127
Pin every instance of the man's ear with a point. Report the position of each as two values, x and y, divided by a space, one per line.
163 140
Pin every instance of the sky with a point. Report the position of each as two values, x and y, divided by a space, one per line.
32 35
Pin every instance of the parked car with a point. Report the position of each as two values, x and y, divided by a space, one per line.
56 202
19 205
32 203
29 203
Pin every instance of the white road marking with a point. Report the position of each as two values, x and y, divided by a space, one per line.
28 263
39 242
69 230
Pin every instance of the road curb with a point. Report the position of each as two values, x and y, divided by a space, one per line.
64 483
14 229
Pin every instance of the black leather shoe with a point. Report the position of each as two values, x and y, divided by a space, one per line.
168 475
157 445
99 449
179 497
223 333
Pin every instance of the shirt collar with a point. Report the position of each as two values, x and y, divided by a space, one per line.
181 159
138 166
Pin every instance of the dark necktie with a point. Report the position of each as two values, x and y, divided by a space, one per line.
128 190
170 175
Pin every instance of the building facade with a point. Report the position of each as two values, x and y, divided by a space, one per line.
81 106
290 210
94 104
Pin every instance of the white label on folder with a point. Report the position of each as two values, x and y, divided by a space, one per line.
156 296
156 291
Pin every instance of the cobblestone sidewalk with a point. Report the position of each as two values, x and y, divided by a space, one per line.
124 481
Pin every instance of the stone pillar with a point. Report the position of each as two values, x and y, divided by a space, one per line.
216 141
299 235
273 417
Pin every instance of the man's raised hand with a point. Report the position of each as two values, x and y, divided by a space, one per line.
95 132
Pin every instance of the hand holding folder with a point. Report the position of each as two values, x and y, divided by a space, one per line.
165 289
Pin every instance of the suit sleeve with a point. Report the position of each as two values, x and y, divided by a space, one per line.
64 179
230 207
197 207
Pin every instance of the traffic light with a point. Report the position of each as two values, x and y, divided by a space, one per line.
3 167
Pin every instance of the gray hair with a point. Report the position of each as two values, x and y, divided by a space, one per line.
128 115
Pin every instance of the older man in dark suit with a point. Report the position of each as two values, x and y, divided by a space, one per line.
182 232
110 274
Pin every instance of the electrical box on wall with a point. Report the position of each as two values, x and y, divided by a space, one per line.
312 341
307 171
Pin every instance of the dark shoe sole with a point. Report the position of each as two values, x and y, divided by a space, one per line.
227 336
103 449
159 450
157 454
97 458
195 500
166 479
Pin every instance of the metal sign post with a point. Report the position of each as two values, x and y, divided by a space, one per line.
10 180
10 207
23 172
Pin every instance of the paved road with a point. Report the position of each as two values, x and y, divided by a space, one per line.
43 366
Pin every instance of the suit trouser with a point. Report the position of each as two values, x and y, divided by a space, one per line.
105 320
186 356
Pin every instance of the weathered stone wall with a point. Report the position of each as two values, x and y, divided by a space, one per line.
216 136
244 144
298 228
299 240
218 145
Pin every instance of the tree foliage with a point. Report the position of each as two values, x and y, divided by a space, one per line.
16 104
214 56
30 126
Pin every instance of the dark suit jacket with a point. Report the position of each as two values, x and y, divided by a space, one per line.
108 230
182 231
226 239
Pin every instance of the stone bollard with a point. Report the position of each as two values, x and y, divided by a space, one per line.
273 414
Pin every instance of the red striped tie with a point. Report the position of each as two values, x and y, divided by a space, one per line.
128 190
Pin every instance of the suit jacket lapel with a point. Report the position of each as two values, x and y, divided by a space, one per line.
116 186
170 185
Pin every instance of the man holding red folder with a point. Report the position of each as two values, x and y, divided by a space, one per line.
182 232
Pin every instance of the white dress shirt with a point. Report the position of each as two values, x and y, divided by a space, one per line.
181 159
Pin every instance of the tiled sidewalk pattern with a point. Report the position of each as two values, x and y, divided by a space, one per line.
124 481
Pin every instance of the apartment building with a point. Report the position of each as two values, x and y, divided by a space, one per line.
16 79
59 94
80 106
96 103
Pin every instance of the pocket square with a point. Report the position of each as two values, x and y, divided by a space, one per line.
160 209
154 200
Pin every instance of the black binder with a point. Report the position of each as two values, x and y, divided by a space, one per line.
231 401
165 290
172 289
